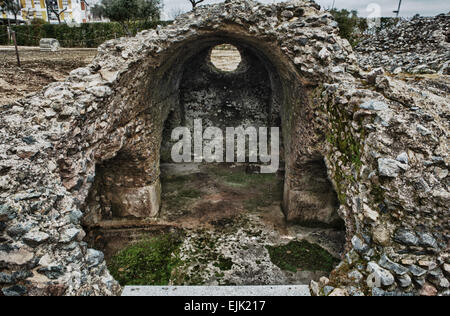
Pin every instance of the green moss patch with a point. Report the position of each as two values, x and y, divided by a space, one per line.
224 264
302 255
149 262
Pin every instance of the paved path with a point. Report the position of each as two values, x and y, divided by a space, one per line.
196 291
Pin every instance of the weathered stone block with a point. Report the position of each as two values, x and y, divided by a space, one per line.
49 45
143 202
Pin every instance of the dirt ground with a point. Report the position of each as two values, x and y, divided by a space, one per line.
37 70
228 211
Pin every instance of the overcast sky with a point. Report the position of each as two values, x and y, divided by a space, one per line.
409 7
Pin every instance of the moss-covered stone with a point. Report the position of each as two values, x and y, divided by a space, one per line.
223 263
302 255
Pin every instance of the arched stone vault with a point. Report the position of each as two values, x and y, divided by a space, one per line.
248 96
152 84
110 115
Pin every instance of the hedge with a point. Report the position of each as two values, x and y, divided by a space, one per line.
87 35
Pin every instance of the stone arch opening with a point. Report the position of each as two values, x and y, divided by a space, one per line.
246 97
225 57
292 103
126 192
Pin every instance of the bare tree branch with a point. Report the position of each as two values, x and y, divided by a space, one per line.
195 2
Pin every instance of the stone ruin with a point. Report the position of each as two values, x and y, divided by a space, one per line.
49 45
419 46
87 150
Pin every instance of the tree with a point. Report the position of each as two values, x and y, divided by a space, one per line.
98 11
195 2
12 6
149 10
121 11
126 11
38 21
349 24
53 7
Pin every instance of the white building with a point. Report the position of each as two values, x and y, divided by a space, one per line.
74 11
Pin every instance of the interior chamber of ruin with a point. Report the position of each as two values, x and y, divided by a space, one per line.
188 86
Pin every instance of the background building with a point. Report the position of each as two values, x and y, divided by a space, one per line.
74 11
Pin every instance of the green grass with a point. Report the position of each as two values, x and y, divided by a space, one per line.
190 194
149 262
268 186
302 255
175 194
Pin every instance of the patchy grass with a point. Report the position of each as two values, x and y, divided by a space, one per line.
302 255
260 190
265 189
149 262
264 199
238 177
174 183
268 193
179 199
190 194
176 192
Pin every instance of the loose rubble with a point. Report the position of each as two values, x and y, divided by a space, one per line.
420 45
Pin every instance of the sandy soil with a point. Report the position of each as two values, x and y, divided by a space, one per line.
37 70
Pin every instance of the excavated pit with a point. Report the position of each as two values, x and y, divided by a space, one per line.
225 82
